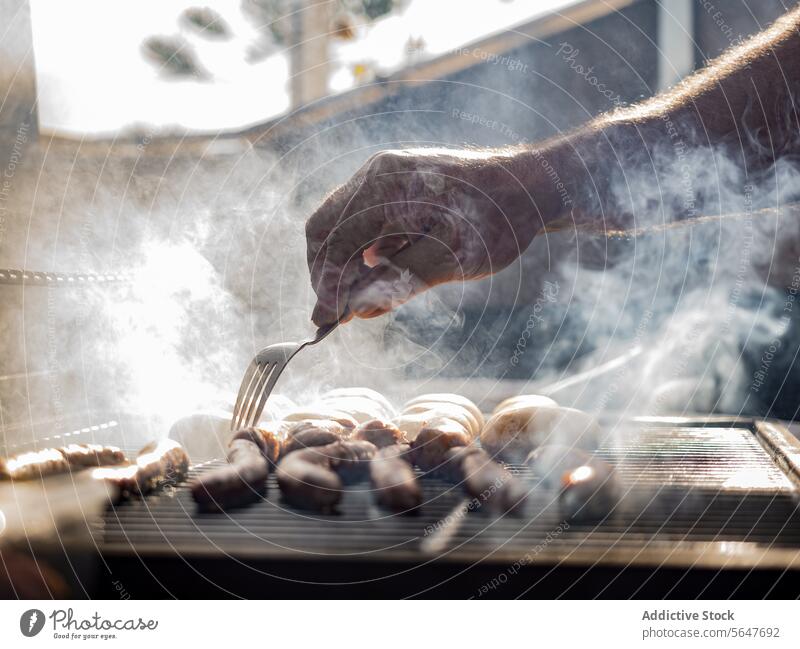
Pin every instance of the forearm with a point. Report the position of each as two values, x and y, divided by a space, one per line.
742 103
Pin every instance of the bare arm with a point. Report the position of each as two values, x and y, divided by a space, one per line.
744 102
412 219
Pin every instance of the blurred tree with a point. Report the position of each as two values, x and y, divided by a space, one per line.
173 55
206 21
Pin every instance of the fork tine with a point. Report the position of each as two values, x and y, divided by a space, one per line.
257 394
267 390
244 395
252 395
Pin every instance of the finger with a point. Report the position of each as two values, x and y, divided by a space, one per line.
424 264
333 293
387 246
343 262
322 222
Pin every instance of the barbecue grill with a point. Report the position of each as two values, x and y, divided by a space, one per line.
710 508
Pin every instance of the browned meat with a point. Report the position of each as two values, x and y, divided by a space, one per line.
266 441
84 455
33 465
394 481
160 463
350 459
157 464
551 461
307 436
589 492
241 482
307 481
451 467
380 433
312 478
491 483
429 447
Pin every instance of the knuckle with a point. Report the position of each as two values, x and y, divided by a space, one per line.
385 161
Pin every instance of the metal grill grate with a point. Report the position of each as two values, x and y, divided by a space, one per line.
686 499
713 458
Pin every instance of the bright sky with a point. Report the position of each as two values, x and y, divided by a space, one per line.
92 78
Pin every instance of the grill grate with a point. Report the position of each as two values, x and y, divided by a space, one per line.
713 458
711 494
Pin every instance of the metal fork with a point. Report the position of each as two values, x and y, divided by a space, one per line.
262 374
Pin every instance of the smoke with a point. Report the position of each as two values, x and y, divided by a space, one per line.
212 236
702 298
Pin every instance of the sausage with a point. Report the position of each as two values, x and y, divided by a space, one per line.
156 464
79 456
412 424
351 459
324 413
451 467
537 400
449 398
241 482
589 492
380 433
313 478
362 409
394 481
429 447
513 433
453 411
266 441
487 481
551 461
159 463
306 480
308 436
364 393
35 464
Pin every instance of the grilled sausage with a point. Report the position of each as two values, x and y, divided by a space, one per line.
451 467
83 455
266 441
312 478
458 413
429 447
307 481
362 409
323 413
380 433
488 482
394 481
514 432
241 482
33 465
308 437
158 463
362 393
534 400
551 461
161 462
453 399
588 492
351 459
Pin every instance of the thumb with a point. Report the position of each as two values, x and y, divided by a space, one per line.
424 264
